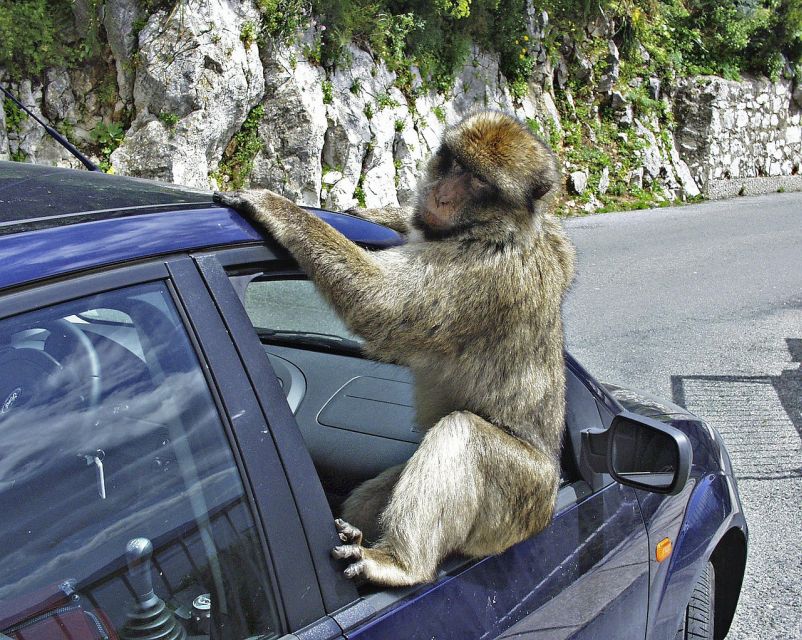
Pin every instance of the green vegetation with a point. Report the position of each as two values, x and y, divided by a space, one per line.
169 119
681 37
359 192
14 115
283 18
107 137
29 36
328 92
237 162
248 34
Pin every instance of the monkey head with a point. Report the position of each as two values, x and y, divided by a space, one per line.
489 169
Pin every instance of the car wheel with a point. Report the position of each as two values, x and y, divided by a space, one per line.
697 623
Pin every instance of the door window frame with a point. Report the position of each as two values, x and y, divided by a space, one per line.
318 522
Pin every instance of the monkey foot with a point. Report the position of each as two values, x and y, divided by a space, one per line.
352 550
348 532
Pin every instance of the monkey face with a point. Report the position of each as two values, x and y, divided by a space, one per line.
449 202
490 170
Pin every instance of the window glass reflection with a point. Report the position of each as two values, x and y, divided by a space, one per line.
108 433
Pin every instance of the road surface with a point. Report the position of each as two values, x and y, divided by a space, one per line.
703 304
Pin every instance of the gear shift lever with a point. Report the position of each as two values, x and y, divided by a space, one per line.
138 553
150 618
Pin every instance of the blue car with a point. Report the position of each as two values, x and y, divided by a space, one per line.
182 415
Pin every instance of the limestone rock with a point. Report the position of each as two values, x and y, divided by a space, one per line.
624 112
408 158
650 154
28 139
195 71
727 129
379 165
118 21
798 94
480 85
158 154
578 182
613 71
604 181
4 153
293 129
361 135
331 178
654 88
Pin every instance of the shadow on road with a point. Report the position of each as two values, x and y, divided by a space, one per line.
759 417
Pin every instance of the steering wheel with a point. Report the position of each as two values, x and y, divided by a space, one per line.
67 332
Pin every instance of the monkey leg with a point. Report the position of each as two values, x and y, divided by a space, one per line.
363 507
470 488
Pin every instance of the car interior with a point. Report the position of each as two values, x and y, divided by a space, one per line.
356 415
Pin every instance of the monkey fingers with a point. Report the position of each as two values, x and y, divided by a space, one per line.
242 201
253 203
351 552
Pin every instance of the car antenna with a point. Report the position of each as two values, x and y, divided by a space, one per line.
53 133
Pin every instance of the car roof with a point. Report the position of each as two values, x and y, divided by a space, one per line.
55 221
35 196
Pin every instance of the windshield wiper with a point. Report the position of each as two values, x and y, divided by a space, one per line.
52 132
310 339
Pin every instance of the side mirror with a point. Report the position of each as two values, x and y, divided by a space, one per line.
639 452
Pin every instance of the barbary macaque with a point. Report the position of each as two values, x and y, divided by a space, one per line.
471 304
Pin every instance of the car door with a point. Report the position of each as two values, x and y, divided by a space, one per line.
585 576
130 441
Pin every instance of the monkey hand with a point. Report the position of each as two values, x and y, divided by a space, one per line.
266 209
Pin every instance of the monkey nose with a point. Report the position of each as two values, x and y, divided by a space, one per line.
442 200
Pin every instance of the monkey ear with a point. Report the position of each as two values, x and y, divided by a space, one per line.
539 189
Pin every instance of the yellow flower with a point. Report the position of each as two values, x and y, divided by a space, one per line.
521 56
111 170
526 38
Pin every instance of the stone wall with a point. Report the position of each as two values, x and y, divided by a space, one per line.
185 83
737 136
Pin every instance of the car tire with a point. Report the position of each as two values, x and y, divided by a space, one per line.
697 623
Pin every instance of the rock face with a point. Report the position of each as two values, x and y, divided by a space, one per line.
118 21
346 136
195 83
293 128
4 154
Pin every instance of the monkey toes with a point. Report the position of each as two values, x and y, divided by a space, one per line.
352 550
348 532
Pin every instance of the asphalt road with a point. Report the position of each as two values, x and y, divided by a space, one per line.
703 305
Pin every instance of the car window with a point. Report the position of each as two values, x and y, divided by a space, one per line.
290 306
116 478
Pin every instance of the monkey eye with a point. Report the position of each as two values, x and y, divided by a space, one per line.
478 184
457 168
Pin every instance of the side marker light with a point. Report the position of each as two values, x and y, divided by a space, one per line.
663 549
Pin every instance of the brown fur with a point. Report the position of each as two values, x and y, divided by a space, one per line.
475 315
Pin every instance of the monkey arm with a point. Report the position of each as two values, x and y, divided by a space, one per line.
382 296
337 265
353 279
397 218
